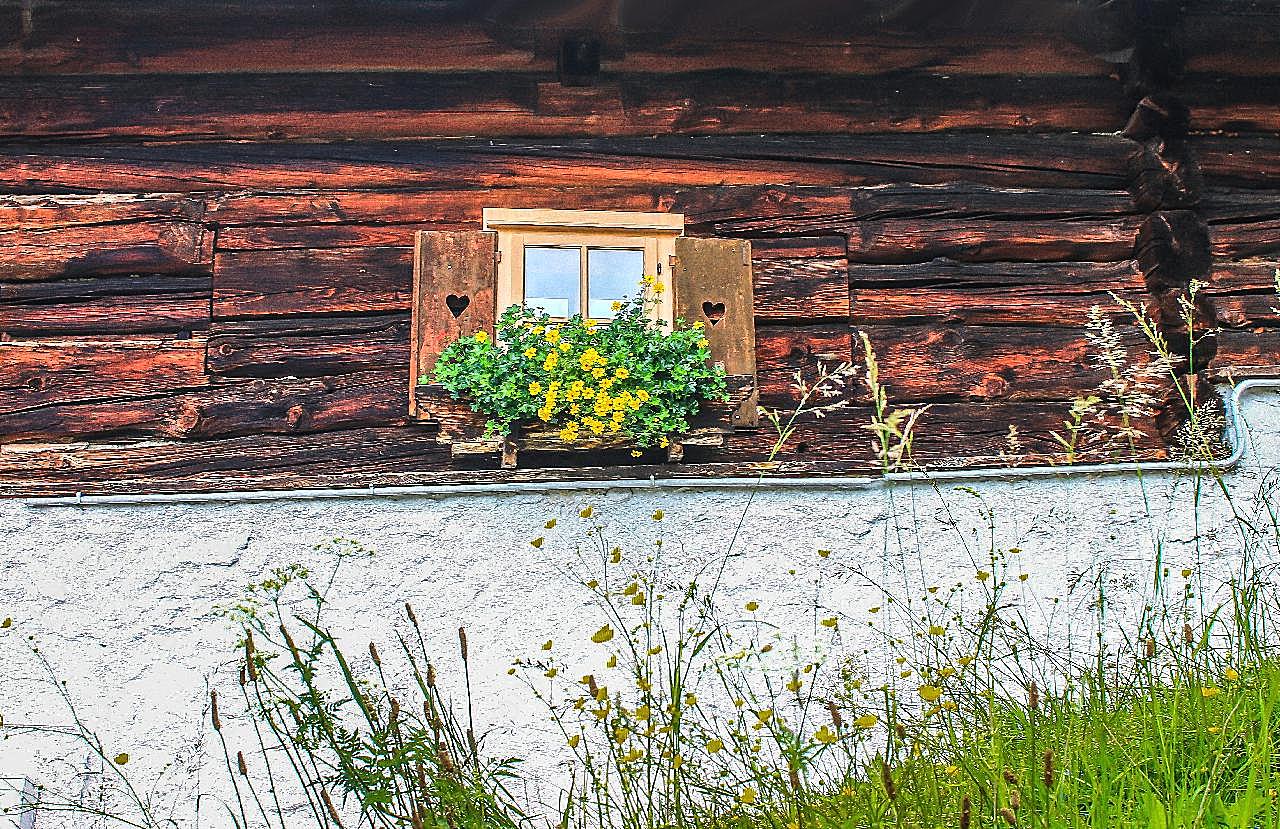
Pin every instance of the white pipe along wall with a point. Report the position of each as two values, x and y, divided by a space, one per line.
121 593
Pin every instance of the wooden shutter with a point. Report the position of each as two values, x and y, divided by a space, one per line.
711 284
454 295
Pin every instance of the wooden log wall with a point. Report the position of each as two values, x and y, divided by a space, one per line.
207 219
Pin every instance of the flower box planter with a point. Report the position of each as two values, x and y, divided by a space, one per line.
463 430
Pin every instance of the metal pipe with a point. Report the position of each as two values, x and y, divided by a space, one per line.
1236 439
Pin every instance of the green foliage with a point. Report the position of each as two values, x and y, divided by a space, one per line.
587 380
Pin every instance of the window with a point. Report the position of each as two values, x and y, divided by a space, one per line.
569 262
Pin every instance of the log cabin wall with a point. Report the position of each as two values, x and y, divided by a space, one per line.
207 217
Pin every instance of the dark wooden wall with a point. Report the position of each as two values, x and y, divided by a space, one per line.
206 220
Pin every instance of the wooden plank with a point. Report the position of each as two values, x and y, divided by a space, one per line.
1255 352
59 211
46 372
281 106
272 282
143 247
781 351
454 294
905 241
981 363
119 304
800 279
1010 160
1239 160
348 457
995 293
711 284
309 346
267 406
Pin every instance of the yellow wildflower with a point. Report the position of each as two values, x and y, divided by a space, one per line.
929 693
1231 674
574 740
825 736
553 335
597 373
531 353
866 721
830 622
1210 692
621 373
703 343
714 745
565 346
643 396
753 606
635 453
535 389
481 336
748 795
664 442
615 306
606 382
602 635
546 646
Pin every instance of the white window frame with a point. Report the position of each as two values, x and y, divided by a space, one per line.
516 228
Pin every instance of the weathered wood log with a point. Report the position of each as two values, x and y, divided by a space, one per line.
1157 116
905 241
310 346
142 247
55 212
1252 353
1187 325
47 372
1223 103
1164 175
995 293
348 457
228 409
979 363
800 279
1172 248
115 304
403 104
305 281
1070 160
1238 160
80 39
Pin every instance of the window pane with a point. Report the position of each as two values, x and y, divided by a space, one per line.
552 280
612 275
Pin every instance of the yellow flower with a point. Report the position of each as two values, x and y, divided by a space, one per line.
648 279
574 740
658 287
615 306
703 343
936 630
825 736
550 363
929 693
748 795
565 346
531 353
795 685
606 382
544 414
642 713
664 442
553 335
550 673
602 635
597 427
764 715
1209 692
546 646
643 396
1231 674
753 606
699 324
598 373
635 453
621 373
983 575
535 389
586 513
481 336
866 721
714 744
830 622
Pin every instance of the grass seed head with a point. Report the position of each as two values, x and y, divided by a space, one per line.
886 777
1048 768
966 812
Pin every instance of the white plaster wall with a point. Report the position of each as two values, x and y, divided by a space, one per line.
122 598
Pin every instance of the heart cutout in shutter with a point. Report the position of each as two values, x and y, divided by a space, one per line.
457 304
713 312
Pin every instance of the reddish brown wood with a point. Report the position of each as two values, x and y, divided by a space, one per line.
276 106
118 304
455 285
275 282
268 406
309 346
975 240
800 279
994 293
144 247
1172 248
45 372
981 363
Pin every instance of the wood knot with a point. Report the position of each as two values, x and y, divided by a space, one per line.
297 417
993 385
187 419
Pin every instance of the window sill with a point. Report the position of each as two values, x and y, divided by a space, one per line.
463 429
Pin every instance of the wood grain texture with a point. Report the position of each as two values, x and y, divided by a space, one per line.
371 104
222 410
309 346
800 279
142 247
455 287
304 281
50 371
117 304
